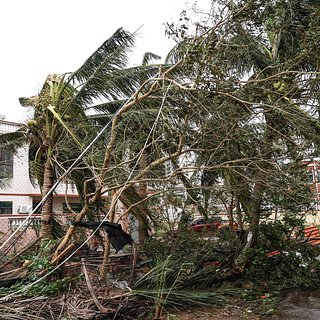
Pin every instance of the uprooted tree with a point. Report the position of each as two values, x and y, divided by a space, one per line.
226 121
254 66
233 119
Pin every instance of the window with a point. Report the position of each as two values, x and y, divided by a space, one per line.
6 164
5 207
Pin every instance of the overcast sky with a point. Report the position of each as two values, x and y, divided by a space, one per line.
39 37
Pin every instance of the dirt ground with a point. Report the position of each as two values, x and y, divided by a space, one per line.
235 309
294 305
228 313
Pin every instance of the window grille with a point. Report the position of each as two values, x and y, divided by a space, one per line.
6 164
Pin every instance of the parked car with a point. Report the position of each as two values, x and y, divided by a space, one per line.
202 224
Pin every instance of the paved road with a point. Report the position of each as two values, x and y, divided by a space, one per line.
299 305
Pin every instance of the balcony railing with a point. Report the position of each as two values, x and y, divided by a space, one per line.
16 222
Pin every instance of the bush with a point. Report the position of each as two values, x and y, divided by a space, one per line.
291 268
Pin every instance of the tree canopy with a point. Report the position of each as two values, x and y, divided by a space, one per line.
223 126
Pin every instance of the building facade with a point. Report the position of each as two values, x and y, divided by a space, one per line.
18 196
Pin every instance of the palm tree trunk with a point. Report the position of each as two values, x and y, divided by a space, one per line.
46 212
255 211
142 191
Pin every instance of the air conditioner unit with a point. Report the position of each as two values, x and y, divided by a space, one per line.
23 209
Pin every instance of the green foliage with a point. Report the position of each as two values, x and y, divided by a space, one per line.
48 288
278 235
41 261
30 287
185 258
289 269
35 283
190 259
185 247
282 261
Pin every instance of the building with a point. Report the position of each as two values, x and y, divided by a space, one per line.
18 196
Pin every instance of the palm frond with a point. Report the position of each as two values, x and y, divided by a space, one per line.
108 58
112 106
28 102
149 57
58 117
183 298
125 82
36 165
178 51
245 52
12 141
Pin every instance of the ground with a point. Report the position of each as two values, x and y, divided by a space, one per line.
294 305
235 309
229 313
